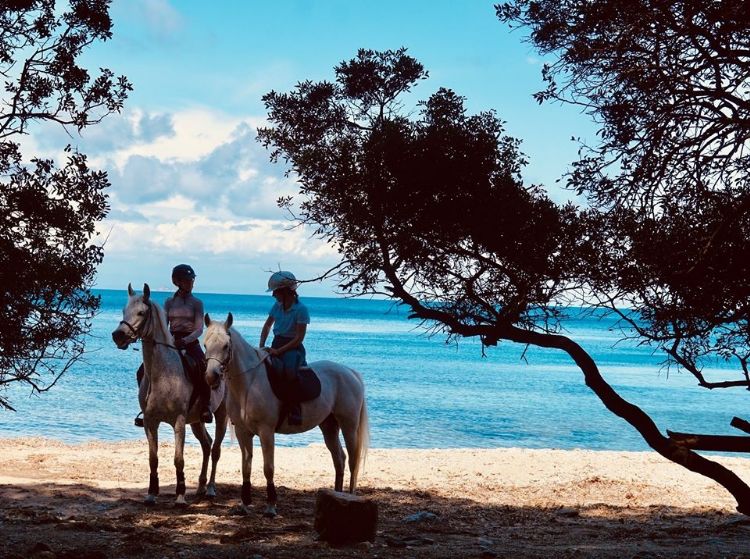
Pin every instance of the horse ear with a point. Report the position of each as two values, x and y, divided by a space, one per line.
207 319
146 292
230 319
130 290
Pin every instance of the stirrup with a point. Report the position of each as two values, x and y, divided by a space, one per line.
206 416
138 421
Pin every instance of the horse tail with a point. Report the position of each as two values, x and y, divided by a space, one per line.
363 437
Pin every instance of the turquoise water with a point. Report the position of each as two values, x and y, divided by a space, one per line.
421 392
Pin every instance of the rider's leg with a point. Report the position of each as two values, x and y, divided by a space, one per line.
292 360
199 379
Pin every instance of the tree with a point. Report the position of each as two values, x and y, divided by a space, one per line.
48 213
668 82
433 213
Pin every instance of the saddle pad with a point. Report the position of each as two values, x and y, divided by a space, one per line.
304 386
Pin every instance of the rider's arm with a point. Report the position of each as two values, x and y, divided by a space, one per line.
197 323
299 336
265 331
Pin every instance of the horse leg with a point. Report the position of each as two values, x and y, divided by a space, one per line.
200 432
245 439
221 428
330 429
179 460
349 429
267 445
152 436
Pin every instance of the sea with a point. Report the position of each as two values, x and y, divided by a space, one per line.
421 390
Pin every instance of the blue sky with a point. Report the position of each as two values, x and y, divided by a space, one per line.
189 181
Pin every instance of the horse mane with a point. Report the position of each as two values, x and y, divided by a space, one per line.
161 330
242 347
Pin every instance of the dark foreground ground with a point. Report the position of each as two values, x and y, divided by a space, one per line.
82 522
62 501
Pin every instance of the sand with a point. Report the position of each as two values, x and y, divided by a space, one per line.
84 501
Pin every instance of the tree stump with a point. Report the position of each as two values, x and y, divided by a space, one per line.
342 518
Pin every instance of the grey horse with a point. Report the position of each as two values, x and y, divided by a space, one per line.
254 409
165 392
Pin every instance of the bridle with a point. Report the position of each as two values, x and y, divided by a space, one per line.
140 332
224 364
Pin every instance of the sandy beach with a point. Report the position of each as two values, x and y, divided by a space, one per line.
84 501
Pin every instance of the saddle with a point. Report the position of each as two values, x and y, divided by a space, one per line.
292 388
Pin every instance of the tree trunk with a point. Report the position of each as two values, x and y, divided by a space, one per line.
637 417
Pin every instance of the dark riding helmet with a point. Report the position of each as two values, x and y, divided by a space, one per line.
183 271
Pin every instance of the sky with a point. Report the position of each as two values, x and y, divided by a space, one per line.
191 184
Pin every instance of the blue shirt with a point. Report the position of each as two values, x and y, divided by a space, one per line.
285 322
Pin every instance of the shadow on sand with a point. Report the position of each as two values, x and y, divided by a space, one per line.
54 521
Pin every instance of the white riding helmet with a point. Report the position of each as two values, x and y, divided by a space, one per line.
282 279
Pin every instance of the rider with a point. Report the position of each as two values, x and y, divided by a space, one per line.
289 319
185 317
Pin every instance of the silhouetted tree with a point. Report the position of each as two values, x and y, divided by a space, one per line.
432 212
668 82
48 213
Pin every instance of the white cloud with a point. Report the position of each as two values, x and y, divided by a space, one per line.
196 186
200 234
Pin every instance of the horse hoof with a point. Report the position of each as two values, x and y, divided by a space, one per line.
239 510
211 493
150 500
270 512
180 502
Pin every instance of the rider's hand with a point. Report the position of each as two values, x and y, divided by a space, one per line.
179 344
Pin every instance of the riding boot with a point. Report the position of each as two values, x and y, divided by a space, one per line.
138 421
295 413
205 400
206 415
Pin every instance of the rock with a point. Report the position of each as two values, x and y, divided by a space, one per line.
420 516
342 518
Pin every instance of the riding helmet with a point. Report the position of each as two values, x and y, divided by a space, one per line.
183 271
282 279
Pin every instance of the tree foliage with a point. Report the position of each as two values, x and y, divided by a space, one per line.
48 213
431 210
669 84
435 204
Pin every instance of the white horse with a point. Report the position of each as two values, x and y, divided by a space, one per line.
164 394
254 409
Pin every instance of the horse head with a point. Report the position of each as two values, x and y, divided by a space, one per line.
218 343
135 316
